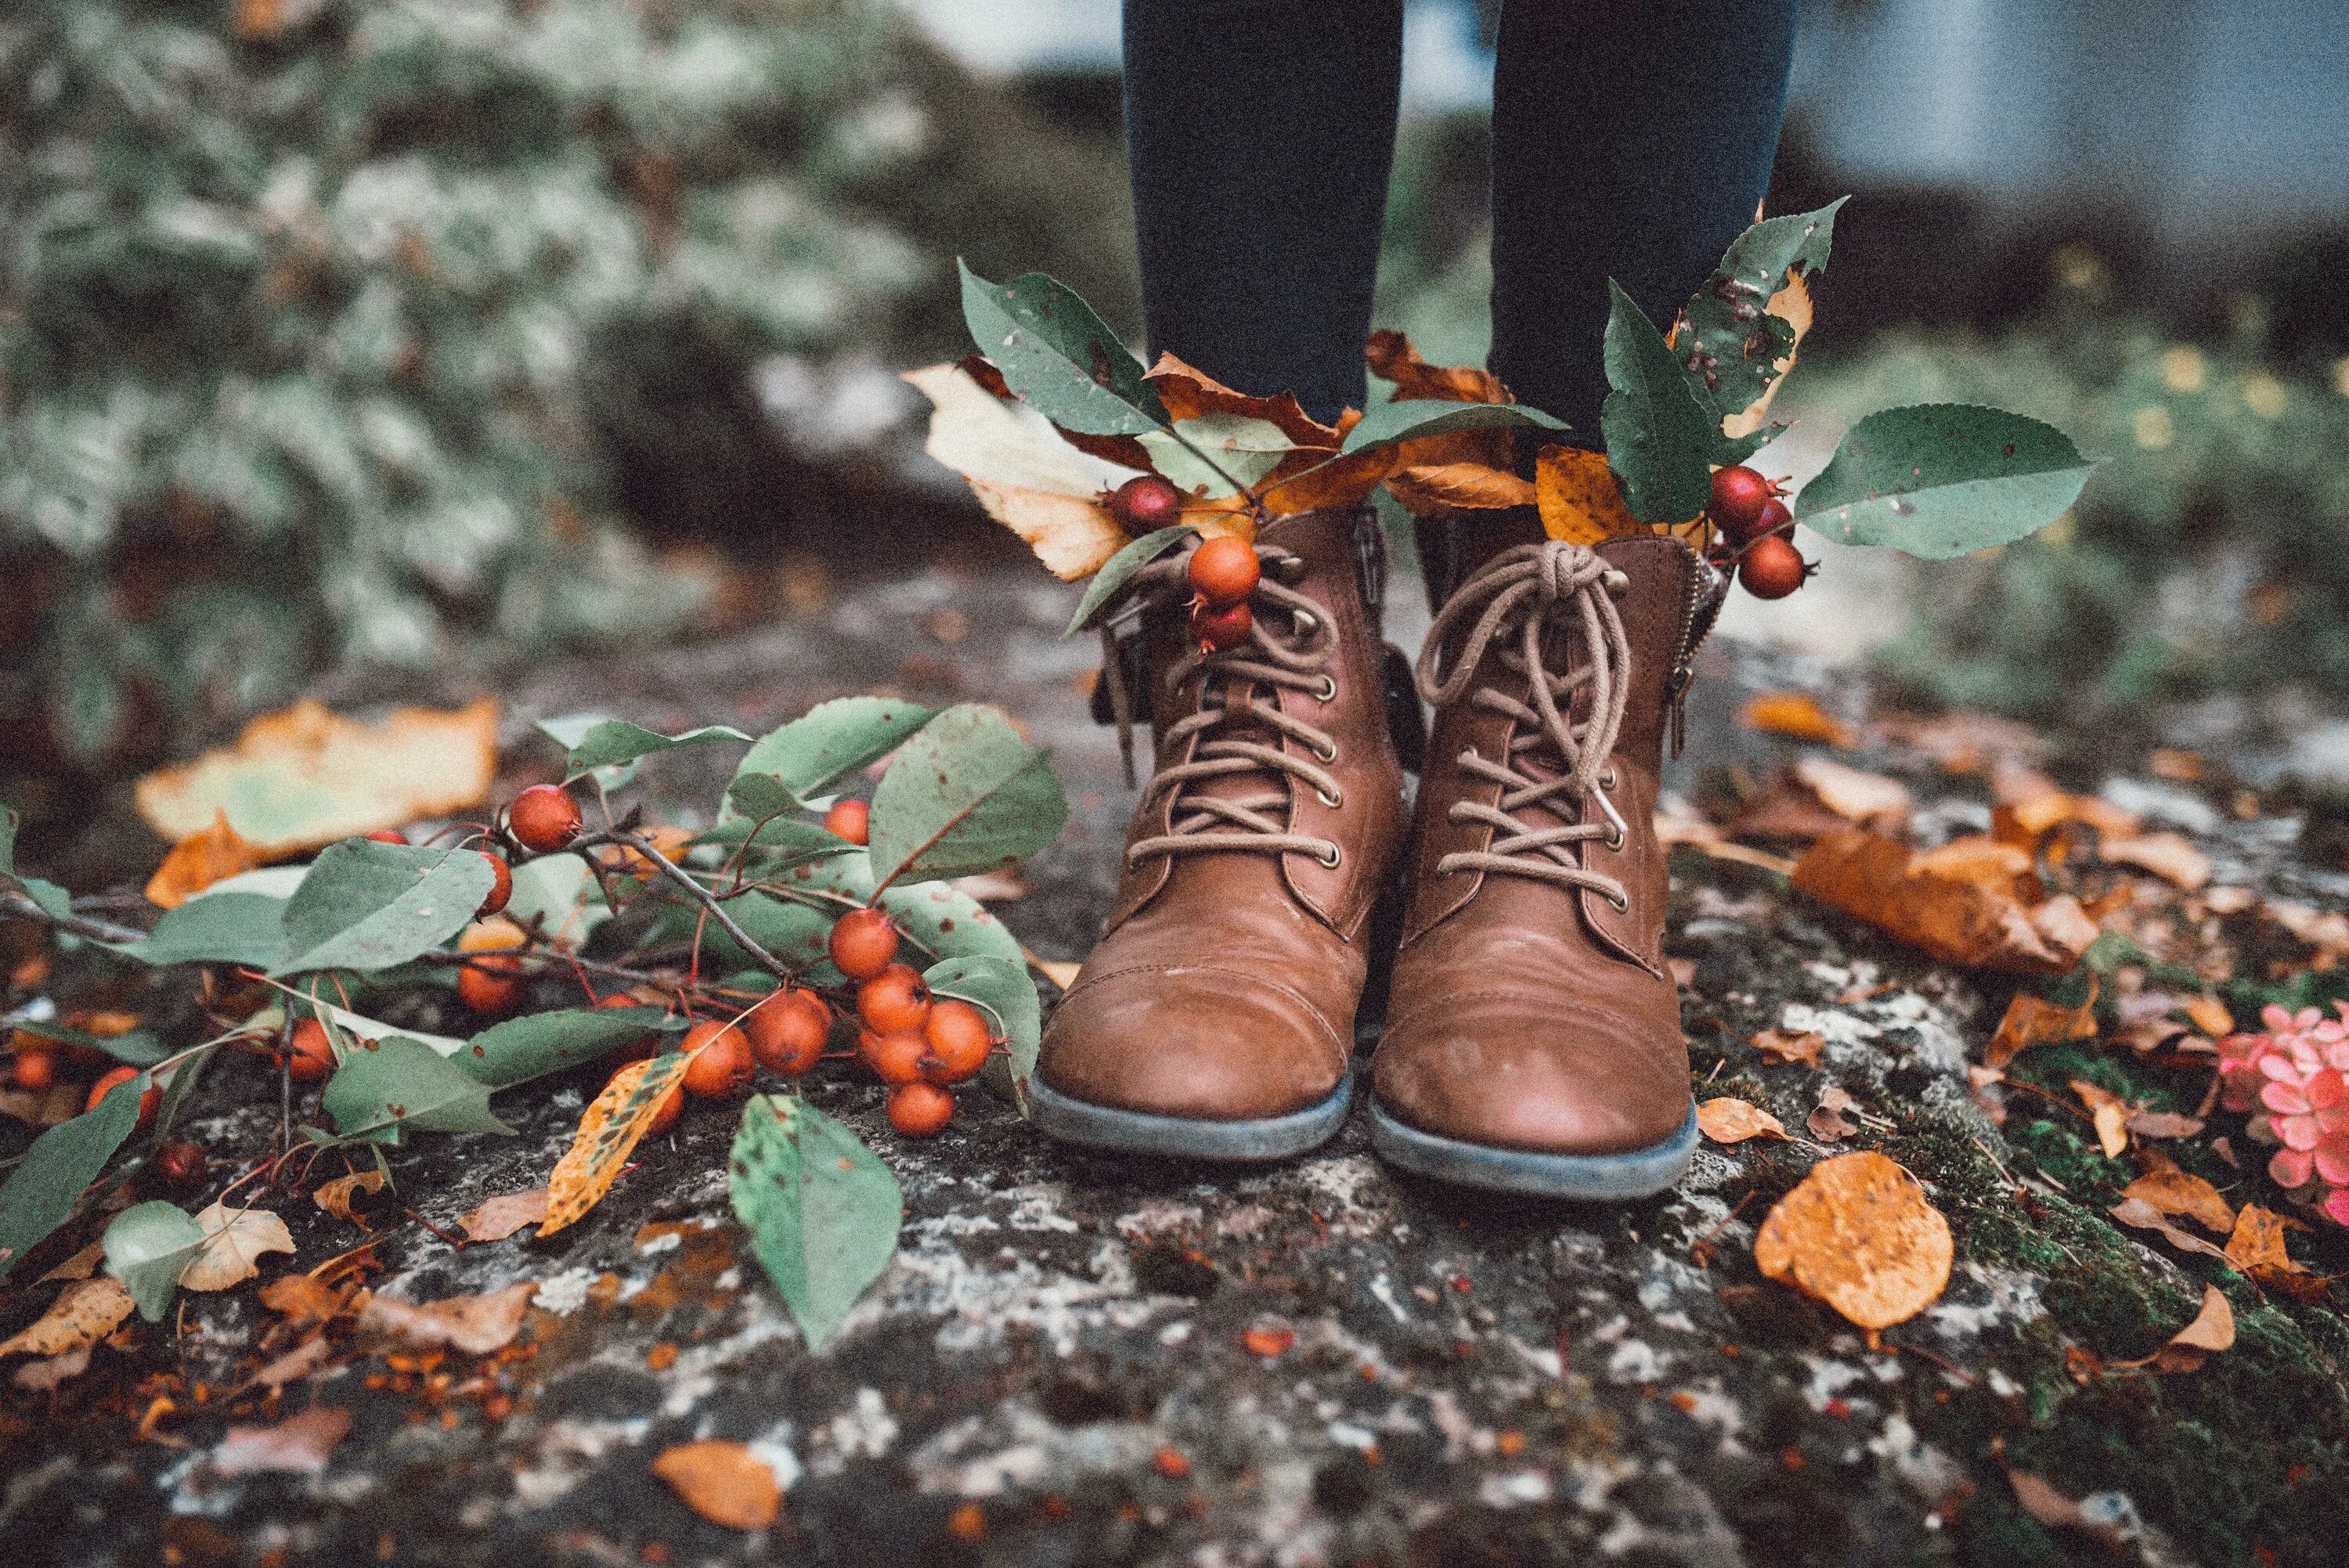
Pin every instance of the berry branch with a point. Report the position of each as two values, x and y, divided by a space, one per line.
709 901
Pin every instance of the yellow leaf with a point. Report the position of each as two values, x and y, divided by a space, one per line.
1796 715
1727 1120
233 1240
85 1312
199 860
2110 1114
2212 1330
335 1196
301 780
2210 1016
607 1134
1024 474
2031 1021
1791 305
724 1482
1458 486
1579 498
1858 1234
1072 535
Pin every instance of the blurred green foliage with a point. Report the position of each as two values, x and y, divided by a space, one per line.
2209 552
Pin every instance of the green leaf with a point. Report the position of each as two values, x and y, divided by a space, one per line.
1659 437
1002 987
246 928
136 1047
53 900
821 1209
1057 357
1411 418
830 740
964 795
940 920
41 1191
1216 455
148 1247
1730 347
1118 569
387 1087
611 742
368 906
560 893
522 1048
1942 479
360 1026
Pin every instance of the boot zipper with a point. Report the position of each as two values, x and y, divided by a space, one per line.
1706 589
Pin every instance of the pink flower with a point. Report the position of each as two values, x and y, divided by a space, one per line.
2292 1168
2336 1206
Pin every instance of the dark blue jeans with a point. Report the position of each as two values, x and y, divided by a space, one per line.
1631 139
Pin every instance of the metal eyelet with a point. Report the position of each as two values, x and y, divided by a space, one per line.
1335 802
1328 689
1614 840
1331 858
1607 780
1614 581
1328 756
1620 901
1305 621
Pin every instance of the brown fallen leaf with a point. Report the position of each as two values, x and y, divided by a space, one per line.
335 1196
2256 1250
608 1132
301 780
500 1217
2109 1112
2213 1331
46 1376
1955 907
1827 1121
2054 1509
197 861
1579 498
1870 800
1676 830
1784 811
1858 1234
1964 742
723 1481
2210 1015
2031 1021
234 1240
475 1324
2170 856
303 1301
1781 1048
298 1445
310 1356
1798 715
1190 393
81 1266
85 1312
1728 1120
2025 818
2138 1214
1391 357
2176 1191
2157 1124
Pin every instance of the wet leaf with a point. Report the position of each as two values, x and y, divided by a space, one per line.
2176 1191
41 1193
2031 1021
1798 715
85 1312
1578 498
1781 1048
234 1240
474 1325
2170 856
368 906
965 794
1660 439
337 1196
199 860
608 1133
1943 480
148 1247
1727 1120
1951 903
298 1445
386 1088
502 1217
723 1481
821 1209
1391 357
305 778
1858 1234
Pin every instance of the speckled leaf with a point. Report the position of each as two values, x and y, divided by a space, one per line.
368 906
829 741
608 1133
1730 346
966 794
1660 439
522 1048
43 1189
387 1087
1057 357
148 1247
821 1209
1943 480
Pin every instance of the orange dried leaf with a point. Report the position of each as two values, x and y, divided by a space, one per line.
302 1300
1960 907
303 778
2210 1015
336 1196
2256 1244
2213 1331
1727 1120
2033 1021
1072 535
1391 357
1268 1340
199 860
1579 500
1312 476
1458 486
2176 1191
607 1134
1827 1121
1189 392
475 1324
1858 1234
500 1217
2109 1112
723 1481
85 1312
2170 856
1781 1047
1796 715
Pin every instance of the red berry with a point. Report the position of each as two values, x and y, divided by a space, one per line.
147 1101
1772 568
1224 572
1773 518
544 817
718 1060
489 984
894 1000
1144 504
34 1070
893 1059
850 820
1739 495
788 1031
864 942
1219 629
959 1038
388 836
920 1109
181 1166
310 1053
500 884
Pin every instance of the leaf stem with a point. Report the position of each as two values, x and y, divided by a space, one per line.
18 906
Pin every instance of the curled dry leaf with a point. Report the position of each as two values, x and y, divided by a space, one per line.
1728 1120
2170 856
303 778
2176 1191
2139 1214
1190 393
298 1445
85 1312
500 1217
1827 1121
2109 1112
234 1240
2212 1330
1027 477
197 861
474 1325
1958 903
2031 1021
608 1132
336 1196
1798 715
1858 1234
1579 498
1782 1047
724 1482
1391 357
303 1301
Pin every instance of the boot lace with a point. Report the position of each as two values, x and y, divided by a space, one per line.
1241 736
1553 761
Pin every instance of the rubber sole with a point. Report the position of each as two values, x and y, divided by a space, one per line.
1106 1126
1635 1173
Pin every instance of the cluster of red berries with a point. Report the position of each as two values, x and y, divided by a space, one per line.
1751 515
1223 571
920 1046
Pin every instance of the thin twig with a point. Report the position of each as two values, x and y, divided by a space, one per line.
702 896
18 906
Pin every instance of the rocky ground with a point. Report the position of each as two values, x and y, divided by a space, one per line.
1086 1361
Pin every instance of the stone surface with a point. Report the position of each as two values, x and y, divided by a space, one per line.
1085 1361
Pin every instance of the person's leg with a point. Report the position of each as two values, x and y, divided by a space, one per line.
1630 141
1261 132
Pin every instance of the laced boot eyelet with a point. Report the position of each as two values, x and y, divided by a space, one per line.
1621 903
1607 780
1305 621
1327 690
1614 840
1330 754
1332 857
1334 801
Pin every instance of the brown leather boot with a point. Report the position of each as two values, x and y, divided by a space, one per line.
1533 1040
1215 1019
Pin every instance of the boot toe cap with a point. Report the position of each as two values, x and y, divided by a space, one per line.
1195 1041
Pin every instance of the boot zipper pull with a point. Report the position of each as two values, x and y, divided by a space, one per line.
1676 690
